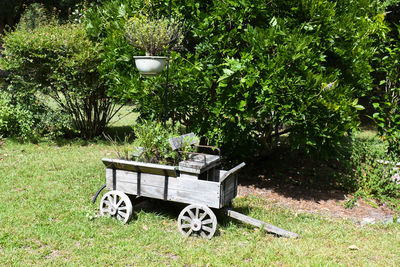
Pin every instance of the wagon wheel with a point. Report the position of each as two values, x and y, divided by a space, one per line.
116 204
197 220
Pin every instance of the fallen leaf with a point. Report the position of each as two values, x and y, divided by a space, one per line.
353 247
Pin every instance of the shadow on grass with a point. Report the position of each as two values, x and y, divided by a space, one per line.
120 133
299 176
116 135
171 210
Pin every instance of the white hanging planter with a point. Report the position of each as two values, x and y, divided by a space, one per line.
150 66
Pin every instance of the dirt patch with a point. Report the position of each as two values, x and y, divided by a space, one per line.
305 184
330 203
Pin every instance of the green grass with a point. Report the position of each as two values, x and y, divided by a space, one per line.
120 127
45 219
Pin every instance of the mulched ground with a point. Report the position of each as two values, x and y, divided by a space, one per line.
296 181
325 202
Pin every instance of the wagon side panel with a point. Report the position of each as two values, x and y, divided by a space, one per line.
197 192
228 190
167 188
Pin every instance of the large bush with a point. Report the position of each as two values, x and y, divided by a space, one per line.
252 69
60 62
387 93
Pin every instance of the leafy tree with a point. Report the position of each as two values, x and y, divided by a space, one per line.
252 69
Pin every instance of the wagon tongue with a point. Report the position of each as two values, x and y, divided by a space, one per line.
267 227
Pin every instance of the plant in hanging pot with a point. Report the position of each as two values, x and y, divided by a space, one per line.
154 37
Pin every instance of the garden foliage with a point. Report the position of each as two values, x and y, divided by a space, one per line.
373 172
29 119
251 69
60 62
15 119
152 142
387 94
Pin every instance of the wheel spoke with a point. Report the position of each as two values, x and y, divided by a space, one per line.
206 228
190 214
107 203
186 218
110 199
185 225
208 221
203 234
188 233
123 214
203 216
197 212
119 217
115 200
122 208
119 203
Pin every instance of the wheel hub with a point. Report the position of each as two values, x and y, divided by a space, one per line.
113 211
195 225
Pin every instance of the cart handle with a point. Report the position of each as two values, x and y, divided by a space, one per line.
231 171
97 194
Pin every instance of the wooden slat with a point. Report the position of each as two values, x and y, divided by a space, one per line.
221 173
180 190
178 142
229 190
230 183
232 171
158 180
199 163
142 166
267 227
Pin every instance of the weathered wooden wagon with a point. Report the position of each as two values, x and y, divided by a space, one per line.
197 182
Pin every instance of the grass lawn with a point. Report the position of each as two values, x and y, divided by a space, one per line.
46 219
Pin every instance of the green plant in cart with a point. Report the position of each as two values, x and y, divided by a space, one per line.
152 142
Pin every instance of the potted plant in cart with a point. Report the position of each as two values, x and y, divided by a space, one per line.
153 36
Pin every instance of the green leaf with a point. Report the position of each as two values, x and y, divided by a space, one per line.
359 107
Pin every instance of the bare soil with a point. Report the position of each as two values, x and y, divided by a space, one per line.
304 184
324 202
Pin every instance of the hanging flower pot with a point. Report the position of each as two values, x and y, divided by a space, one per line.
155 37
150 66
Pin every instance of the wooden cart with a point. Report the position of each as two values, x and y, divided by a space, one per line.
197 182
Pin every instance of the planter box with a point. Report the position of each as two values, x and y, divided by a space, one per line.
170 183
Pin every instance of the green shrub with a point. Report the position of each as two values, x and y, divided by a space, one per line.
31 120
16 120
387 95
373 170
252 68
60 62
